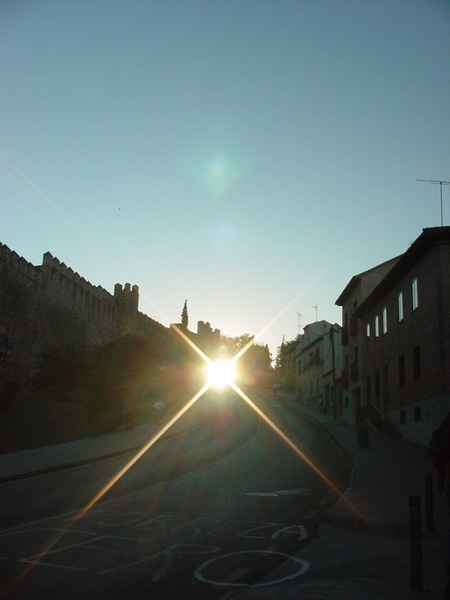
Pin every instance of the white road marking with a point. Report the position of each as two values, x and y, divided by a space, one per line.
304 566
293 492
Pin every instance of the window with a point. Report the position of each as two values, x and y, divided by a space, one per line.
414 294
416 363
384 321
400 307
402 417
368 330
376 327
401 370
377 384
417 414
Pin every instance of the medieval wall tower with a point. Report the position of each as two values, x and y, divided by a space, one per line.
52 304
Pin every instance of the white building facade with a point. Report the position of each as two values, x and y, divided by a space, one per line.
318 364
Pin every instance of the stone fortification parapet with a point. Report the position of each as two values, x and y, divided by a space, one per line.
51 261
59 303
149 326
203 328
127 296
22 267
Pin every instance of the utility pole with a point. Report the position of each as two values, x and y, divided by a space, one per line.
299 323
440 183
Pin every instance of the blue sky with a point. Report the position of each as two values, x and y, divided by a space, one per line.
250 156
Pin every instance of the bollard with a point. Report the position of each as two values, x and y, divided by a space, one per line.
415 532
429 507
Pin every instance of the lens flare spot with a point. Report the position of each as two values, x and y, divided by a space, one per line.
221 373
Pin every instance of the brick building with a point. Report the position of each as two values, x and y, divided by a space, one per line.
405 367
359 287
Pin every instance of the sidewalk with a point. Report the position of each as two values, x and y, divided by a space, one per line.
17 465
361 552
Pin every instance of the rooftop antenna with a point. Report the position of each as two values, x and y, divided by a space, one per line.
440 183
299 322
315 308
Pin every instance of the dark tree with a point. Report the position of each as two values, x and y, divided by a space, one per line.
185 316
230 345
62 368
254 364
9 390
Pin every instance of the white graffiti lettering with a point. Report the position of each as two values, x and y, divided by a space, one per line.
300 565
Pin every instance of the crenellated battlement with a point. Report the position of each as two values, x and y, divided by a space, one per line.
51 262
208 339
22 268
206 329
58 304
127 298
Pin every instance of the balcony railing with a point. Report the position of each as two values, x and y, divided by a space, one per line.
368 412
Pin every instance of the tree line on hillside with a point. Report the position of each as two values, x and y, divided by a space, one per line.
110 376
106 378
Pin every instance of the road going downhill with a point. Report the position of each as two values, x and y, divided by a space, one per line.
219 507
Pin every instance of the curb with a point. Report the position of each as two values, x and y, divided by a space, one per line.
94 459
355 523
67 466
365 525
342 449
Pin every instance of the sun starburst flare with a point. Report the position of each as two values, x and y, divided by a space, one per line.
219 374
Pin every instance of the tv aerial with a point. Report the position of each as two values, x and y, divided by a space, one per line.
440 183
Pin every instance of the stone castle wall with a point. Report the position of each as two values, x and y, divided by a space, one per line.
93 305
52 304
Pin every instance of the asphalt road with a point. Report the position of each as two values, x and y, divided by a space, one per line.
218 507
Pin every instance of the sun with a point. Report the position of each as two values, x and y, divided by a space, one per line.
221 373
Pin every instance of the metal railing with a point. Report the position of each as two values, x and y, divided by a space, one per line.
368 412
